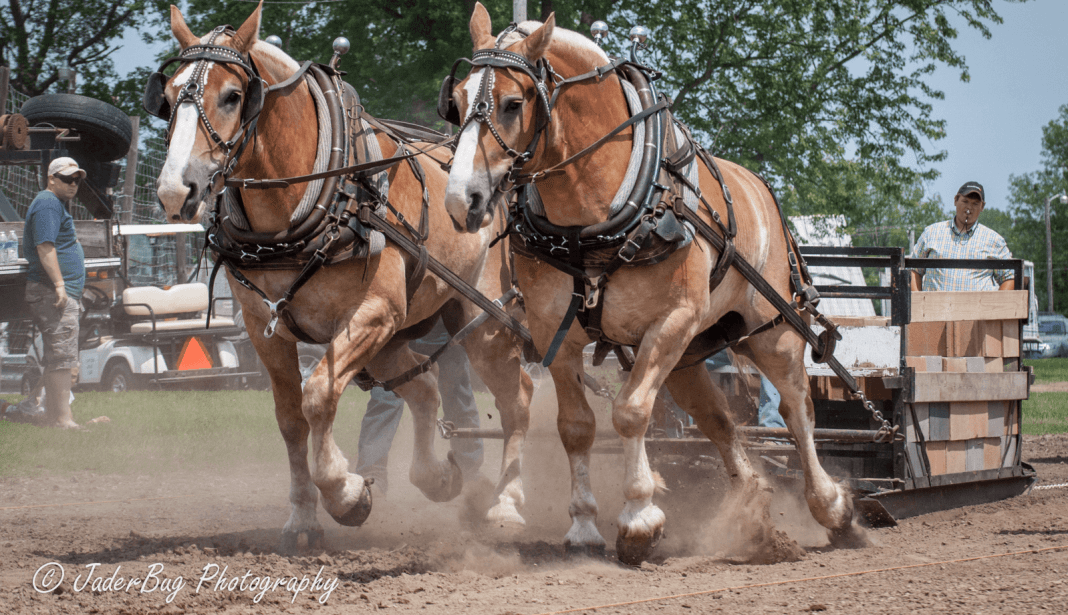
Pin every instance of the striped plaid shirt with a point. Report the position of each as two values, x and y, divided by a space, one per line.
943 240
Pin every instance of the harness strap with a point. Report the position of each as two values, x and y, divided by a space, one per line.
366 382
434 265
578 293
292 79
558 168
356 171
764 288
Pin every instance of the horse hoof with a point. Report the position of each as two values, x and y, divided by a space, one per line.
356 515
584 551
449 484
852 536
290 544
634 552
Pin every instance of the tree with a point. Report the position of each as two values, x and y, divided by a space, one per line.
1028 194
38 38
792 86
877 210
789 88
401 49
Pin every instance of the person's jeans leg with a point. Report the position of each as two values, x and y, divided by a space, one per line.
458 407
768 408
377 430
457 398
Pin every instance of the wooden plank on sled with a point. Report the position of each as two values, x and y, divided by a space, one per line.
942 306
963 386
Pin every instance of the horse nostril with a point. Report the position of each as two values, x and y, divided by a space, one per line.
476 202
192 191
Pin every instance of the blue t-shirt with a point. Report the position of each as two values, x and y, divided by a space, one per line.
49 221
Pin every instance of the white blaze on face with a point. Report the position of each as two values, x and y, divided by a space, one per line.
171 181
463 162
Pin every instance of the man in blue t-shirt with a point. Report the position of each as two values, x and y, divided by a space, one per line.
54 284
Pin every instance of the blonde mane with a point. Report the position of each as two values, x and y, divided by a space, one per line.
584 48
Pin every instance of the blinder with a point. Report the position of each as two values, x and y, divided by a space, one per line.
155 102
449 111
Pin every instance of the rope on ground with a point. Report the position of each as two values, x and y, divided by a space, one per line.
803 580
1057 486
170 497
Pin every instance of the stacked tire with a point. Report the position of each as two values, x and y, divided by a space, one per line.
105 131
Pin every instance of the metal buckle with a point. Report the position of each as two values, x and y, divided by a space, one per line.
272 325
593 295
629 242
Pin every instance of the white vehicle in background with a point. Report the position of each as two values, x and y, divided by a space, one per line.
1033 346
137 336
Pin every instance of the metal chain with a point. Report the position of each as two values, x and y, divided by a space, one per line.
887 432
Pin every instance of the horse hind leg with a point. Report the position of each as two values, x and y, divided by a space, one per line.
780 358
745 514
496 358
439 481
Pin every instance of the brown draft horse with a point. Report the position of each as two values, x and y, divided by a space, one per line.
359 305
658 309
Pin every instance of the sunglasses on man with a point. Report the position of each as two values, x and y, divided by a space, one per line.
70 181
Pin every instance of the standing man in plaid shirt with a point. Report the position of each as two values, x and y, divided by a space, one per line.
962 237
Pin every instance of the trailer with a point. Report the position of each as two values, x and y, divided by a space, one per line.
945 369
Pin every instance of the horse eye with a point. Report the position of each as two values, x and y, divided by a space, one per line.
513 106
233 98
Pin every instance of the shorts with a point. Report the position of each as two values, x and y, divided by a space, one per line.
59 328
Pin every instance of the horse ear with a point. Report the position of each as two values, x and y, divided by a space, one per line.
533 47
481 27
180 30
249 32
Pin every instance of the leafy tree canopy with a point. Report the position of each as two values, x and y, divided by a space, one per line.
38 38
1028 194
790 88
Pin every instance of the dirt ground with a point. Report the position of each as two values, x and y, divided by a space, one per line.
205 542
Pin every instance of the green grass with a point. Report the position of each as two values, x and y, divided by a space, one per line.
161 431
1045 413
1049 370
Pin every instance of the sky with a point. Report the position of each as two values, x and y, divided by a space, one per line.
994 122
1018 82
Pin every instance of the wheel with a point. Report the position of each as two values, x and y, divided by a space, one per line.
95 299
117 378
105 130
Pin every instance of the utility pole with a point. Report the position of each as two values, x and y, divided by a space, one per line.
1049 250
519 11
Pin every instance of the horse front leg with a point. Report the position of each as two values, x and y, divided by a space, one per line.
440 481
641 523
280 359
345 495
779 355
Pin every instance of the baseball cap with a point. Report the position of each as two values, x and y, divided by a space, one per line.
970 187
66 167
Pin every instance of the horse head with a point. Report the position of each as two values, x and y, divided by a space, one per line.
534 97
500 110
211 102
